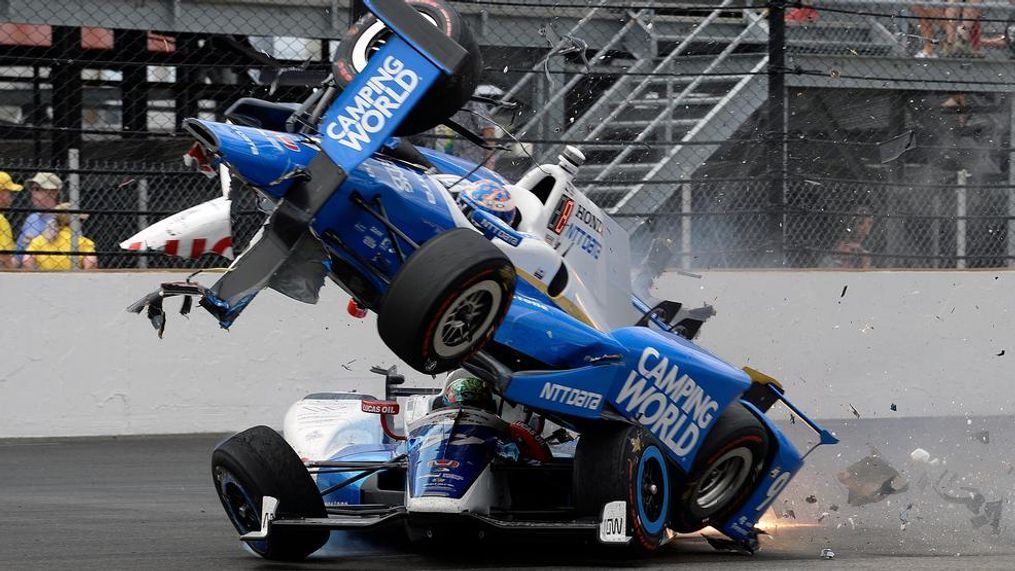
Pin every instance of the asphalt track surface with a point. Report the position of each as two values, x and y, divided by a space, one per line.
147 503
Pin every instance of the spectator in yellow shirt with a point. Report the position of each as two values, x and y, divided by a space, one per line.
7 188
57 237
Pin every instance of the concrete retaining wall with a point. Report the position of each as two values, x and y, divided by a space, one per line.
75 363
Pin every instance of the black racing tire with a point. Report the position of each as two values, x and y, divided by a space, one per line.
446 301
367 35
258 462
725 471
624 462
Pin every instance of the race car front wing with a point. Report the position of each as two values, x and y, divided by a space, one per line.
611 528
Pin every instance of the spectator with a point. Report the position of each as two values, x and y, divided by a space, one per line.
45 187
58 237
849 250
960 23
7 187
962 34
932 21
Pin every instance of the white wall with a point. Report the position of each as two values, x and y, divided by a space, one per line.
75 363
924 340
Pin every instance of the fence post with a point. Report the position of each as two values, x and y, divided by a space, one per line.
1010 262
685 226
961 178
74 192
67 98
776 134
142 217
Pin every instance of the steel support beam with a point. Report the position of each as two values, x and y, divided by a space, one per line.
776 131
948 75
134 90
65 76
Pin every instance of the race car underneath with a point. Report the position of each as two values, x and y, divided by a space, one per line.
532 314
470 466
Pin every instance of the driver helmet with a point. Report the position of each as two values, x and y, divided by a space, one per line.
489 196
463 389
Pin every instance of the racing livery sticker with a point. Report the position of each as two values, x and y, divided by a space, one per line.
374 104
367 112
561 214
492 229
571 396
589 219
584 240
671 405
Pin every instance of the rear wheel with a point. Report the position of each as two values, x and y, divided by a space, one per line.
725 471
368 35
258 462
622 462
446 301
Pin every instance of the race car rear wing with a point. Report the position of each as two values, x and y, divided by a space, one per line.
766 391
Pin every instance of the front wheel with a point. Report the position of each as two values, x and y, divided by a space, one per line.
622 462
446 301
258 462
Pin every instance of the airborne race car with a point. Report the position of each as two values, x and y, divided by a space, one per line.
669 437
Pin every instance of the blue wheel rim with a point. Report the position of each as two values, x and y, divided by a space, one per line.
235 494
654 456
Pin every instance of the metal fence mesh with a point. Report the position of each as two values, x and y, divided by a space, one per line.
892 148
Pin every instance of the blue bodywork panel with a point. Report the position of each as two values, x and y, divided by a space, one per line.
785 462
351 493
448 452
262 158
670 387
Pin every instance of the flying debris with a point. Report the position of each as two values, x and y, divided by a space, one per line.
920 456
871 480
904 516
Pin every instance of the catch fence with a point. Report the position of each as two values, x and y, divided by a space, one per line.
831 133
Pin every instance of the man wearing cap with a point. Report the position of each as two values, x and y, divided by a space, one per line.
7 188
45 187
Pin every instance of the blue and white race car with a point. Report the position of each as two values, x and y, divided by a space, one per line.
571 407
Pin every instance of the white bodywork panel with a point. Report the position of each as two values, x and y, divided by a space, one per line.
594 248
322 424
483 493
201 229
613 523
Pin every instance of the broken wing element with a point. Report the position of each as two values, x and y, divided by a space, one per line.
223 311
